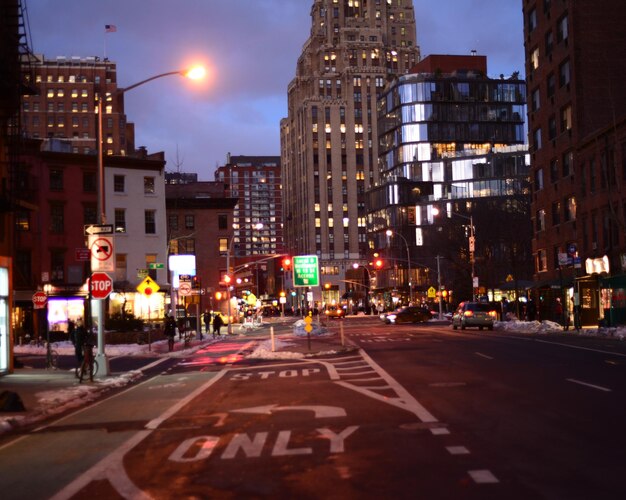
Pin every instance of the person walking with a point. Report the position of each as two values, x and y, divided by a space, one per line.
170 331
78 336
207 322
218 321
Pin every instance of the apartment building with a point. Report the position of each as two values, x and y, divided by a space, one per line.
454 167
329 149
576 72
64 108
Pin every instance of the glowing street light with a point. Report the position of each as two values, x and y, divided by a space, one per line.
194 73
408 259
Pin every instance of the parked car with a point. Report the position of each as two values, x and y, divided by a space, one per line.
407 314
479 314
335 312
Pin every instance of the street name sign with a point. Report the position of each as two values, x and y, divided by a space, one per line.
92 229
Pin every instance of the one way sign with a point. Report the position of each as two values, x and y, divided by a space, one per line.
92 229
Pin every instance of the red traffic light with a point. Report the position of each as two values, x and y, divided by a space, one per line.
378 263
286 262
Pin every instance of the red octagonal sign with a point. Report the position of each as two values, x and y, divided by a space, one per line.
101 285
39 300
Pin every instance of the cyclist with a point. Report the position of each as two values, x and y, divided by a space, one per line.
78 335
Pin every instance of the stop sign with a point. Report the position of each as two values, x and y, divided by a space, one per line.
101 285
39 300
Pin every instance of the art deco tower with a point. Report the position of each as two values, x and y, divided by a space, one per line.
329 149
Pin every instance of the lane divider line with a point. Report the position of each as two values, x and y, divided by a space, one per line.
586 384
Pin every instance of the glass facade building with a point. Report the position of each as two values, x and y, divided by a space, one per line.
451 151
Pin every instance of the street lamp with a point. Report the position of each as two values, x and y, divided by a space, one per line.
408 259
194 73
369 283
258 226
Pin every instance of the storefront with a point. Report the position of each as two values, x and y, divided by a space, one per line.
613 300
5 328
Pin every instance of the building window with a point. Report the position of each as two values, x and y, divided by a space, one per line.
568 163
190 222
172 222
148 185
551 128
89 182
537 139
150 221
534 59
566 118
551 84
187 246
120 267
536 100
57 265
120 220
539 179
554 171
56 218
556 213
570 209
223 245
562 33
90 214
542 261
56 179
564 74
222 221
22 220
151 258
541 220
549 42
119 183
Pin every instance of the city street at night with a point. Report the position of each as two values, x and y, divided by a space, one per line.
400 411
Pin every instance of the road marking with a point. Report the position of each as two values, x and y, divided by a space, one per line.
483 355
319 411
600 388
483 476
403 398
439 431
562 345
457 450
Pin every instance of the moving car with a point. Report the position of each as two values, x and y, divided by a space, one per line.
479 314
407 314
335 312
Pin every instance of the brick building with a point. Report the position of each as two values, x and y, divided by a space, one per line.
576 72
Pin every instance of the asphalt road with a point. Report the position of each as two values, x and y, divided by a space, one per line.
418 412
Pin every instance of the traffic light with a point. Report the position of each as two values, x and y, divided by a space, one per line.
196 284
218 295
378 263
286 263
226 279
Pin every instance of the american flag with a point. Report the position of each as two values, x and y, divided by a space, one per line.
110 28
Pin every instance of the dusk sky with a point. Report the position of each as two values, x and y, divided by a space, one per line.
250 48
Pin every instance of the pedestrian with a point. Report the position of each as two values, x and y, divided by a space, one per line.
170 331
531 310
182 327
218 321
78 336
558 311
207 322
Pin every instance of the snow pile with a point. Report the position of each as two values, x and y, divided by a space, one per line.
264 351
318 329
517 326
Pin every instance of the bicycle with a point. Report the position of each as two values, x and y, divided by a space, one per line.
89 365
52 357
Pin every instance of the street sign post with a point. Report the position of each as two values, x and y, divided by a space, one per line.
305 271
102 253
101 285
148 286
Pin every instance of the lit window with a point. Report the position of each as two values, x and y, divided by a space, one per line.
148 185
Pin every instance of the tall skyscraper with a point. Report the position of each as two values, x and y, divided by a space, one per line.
329 149
576 73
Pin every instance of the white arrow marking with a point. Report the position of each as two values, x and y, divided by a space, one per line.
320 411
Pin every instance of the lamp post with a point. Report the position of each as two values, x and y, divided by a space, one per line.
258 226
408 259
193 73
369 284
